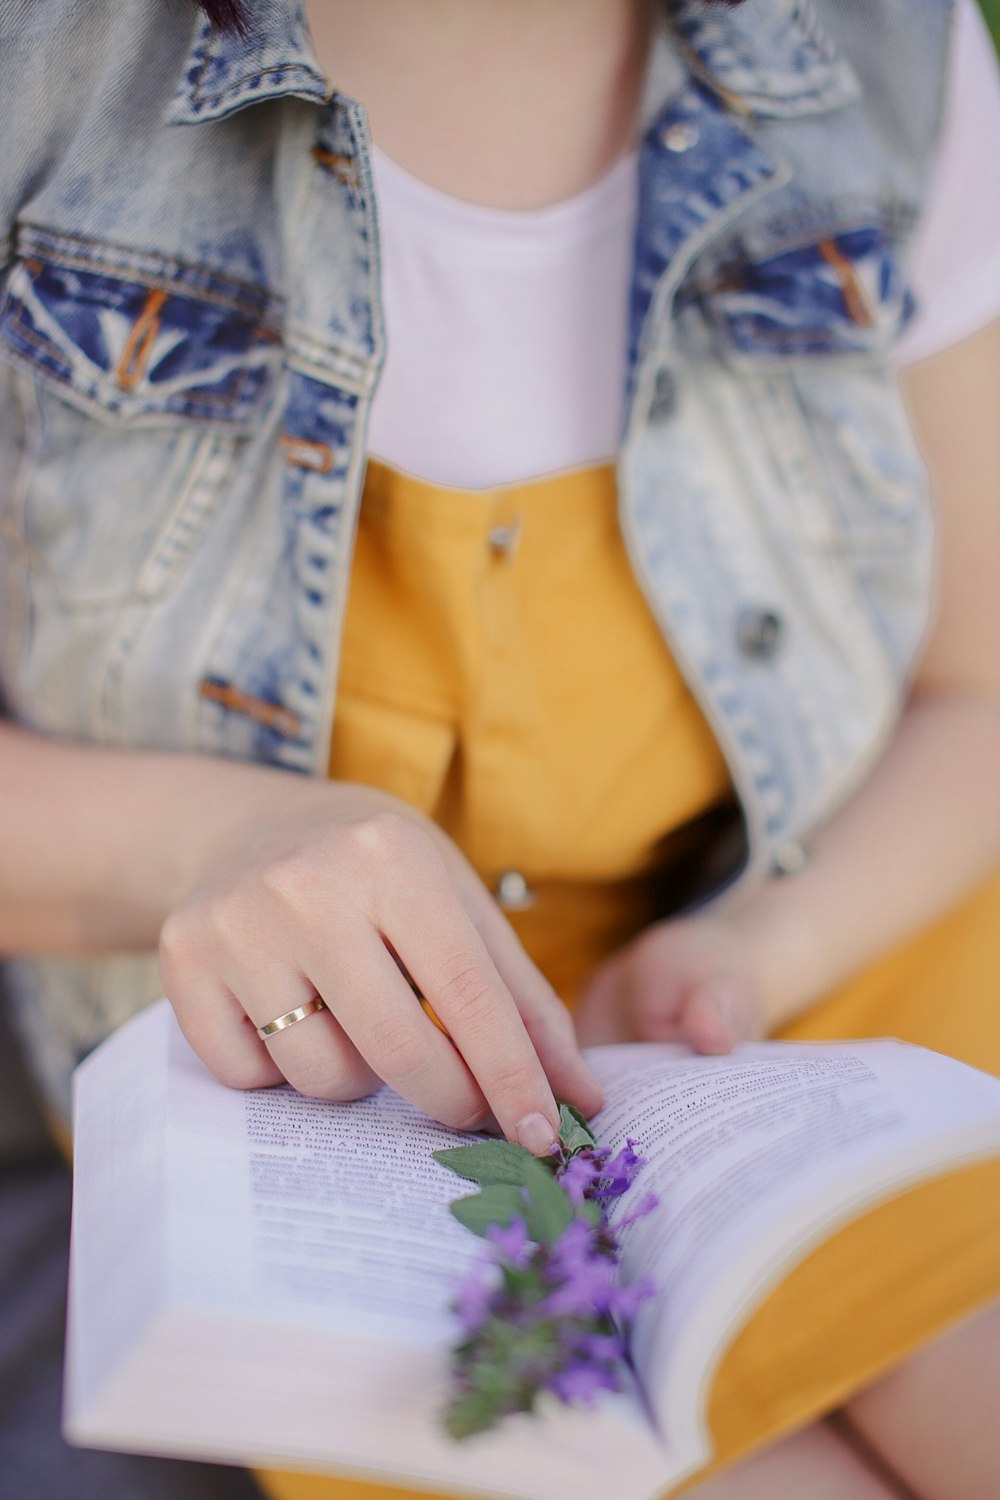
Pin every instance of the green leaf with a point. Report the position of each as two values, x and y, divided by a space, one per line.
470 1414
496 1204
592 1212
527 1285
579 1117
548 1210
574 1133
487 1162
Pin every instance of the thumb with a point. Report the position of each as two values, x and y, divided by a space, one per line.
710 1019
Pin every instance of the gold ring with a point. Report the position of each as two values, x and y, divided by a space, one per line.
432 1015
290 1017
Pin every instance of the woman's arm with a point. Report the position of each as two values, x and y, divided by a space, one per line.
97 845
924 829
264 888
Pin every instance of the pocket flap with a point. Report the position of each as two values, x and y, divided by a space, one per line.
181 345
842 295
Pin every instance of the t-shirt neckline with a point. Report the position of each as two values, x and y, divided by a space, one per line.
600 208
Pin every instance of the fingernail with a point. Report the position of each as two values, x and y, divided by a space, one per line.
535 1134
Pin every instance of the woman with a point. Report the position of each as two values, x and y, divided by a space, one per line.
203 349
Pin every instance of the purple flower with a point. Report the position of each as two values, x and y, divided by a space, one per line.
586 1289
642 1210
596 1174
618 1172
624 1301
511 1241
582 1382
598 1346
573 1250
579 1176
472 1300
547 1315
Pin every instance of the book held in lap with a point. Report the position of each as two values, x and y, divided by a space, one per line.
263 1278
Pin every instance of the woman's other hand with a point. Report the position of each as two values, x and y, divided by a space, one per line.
686 980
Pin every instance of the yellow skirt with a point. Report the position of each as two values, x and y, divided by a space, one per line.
501 672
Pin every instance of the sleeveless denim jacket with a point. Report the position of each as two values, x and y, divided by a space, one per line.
191 334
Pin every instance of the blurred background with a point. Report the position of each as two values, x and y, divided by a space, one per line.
991 10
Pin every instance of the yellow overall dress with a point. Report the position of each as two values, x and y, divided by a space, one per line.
501 672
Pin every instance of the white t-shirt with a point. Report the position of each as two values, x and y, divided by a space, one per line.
507 330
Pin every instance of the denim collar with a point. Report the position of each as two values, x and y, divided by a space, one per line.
768 58
225 72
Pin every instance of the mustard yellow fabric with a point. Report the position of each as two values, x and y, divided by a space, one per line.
502 673
523 698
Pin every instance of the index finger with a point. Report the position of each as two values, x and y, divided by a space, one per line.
453 970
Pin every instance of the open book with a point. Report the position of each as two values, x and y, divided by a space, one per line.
264 1278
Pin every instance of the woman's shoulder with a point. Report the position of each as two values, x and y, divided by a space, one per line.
68 69
898 51
52 51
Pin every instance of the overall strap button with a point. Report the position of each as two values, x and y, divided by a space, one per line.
503 538
513 892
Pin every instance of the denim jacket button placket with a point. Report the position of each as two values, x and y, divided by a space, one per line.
664 396
760 633
681 136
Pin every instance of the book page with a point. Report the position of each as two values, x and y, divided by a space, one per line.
322 1213
119 1197
297 1259
753 1156
349 1196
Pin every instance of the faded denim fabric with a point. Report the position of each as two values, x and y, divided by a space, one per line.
191 334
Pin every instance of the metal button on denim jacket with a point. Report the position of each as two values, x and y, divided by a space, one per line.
190 335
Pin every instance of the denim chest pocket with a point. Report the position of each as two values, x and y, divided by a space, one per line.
811 333
127 397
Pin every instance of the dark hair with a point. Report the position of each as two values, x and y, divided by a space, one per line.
233 15
227 15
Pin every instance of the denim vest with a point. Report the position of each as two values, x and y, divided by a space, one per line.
191 334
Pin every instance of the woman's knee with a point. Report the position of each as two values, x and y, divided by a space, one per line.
934 1417
818 1461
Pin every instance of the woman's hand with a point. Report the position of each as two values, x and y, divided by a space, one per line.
685 980
317 892
916 838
